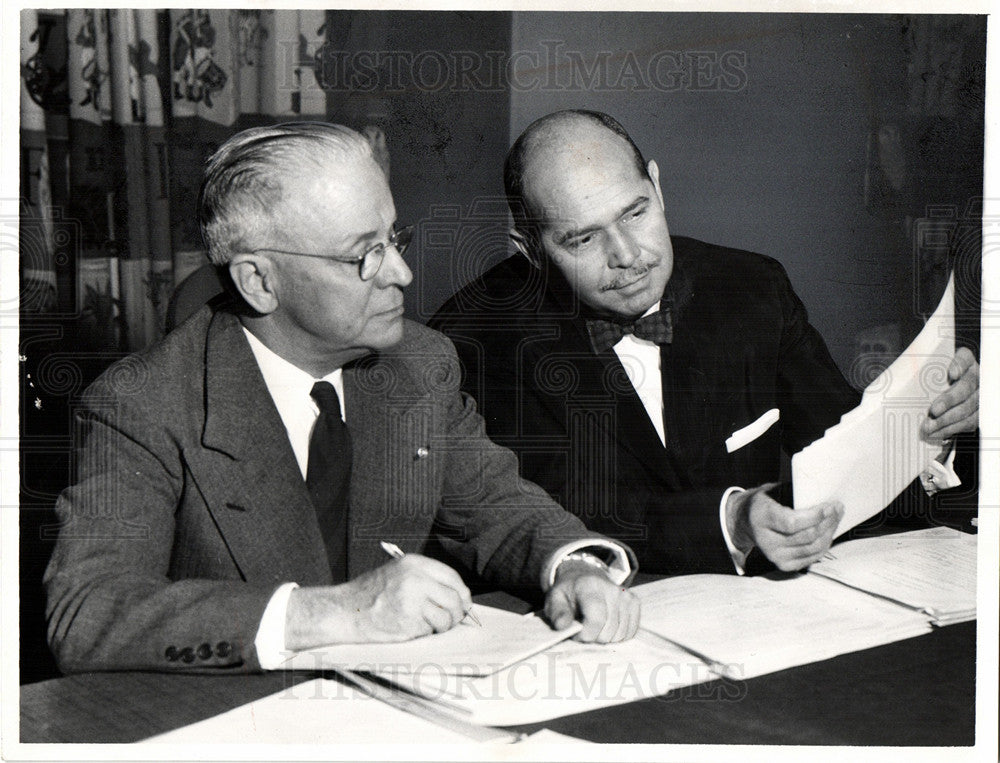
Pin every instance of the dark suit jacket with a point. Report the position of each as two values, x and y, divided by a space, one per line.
742 345
190 509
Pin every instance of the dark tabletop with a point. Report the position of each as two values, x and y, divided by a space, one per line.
920 691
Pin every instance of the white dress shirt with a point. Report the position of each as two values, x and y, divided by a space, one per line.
641 360
290 388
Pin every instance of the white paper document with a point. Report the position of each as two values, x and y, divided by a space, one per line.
932 570
759 625
314 712
875 451
328 712
467 649
565 679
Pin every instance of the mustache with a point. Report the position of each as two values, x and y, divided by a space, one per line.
630 276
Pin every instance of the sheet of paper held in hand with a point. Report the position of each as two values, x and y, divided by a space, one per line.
467 649
875 451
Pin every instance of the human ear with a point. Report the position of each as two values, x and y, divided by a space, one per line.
654 175
255 280
527 246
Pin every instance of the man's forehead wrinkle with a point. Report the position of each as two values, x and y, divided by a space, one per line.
569 198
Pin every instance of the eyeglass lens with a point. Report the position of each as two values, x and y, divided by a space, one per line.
373 257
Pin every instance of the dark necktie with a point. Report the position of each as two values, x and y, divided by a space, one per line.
656 327
328 476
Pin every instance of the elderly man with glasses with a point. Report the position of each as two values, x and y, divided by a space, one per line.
236 480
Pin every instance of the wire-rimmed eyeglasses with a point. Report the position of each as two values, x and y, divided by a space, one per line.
369 262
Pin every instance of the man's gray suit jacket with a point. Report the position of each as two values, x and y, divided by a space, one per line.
189 507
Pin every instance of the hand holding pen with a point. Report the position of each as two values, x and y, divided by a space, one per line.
411 597
397 553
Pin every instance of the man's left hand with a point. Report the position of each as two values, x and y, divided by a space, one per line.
608 611
956 409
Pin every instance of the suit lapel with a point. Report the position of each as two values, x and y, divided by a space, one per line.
604 382
633 430
394 490
697 384
368 422
247 473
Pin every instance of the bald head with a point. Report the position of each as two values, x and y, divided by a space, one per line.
586 204
556 144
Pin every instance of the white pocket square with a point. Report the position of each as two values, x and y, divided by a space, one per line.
751 432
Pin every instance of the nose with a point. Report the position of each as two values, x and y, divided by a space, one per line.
622 250
394 270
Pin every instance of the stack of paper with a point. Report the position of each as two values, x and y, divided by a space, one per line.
753 626
515 669
933 571
875 451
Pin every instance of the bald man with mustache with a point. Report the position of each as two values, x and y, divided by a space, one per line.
618 360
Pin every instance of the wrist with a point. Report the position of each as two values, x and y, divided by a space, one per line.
318 616
581 563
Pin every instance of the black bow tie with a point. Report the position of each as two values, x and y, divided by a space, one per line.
657 327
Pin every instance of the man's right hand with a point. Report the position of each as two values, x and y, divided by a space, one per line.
401 600
791 538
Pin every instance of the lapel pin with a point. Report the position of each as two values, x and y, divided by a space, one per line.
423 452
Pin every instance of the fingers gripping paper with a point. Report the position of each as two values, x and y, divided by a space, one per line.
875 451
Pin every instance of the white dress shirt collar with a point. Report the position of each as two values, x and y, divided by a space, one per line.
291 388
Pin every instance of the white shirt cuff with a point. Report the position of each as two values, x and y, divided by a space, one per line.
619 569
940 474
739 557
270 640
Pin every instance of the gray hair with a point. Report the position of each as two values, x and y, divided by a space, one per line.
242 185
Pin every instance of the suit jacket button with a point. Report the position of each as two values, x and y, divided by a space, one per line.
172 653
223 648
423 452
204 651
187 654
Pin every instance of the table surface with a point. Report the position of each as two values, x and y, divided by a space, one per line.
920 691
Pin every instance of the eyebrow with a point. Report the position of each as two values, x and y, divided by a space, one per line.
577 232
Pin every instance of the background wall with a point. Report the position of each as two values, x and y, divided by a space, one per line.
447 137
